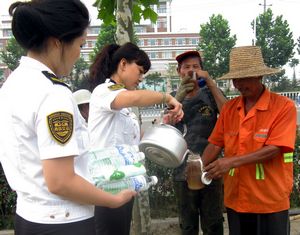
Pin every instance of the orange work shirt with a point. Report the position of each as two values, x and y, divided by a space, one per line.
259 187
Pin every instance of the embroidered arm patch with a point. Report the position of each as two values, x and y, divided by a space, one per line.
116 87
60 125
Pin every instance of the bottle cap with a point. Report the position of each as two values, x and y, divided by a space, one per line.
204 179
201 82
154 180
141 156
136 148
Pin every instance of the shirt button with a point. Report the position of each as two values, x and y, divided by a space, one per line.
52 216
67 214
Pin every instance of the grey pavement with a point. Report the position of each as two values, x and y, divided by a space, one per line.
169 226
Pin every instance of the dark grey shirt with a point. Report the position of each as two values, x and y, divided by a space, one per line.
200 116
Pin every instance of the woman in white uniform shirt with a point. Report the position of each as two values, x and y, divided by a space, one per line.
43 153
115 74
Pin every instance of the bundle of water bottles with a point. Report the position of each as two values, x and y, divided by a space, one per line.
119 167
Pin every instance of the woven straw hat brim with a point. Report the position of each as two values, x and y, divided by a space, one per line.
252 72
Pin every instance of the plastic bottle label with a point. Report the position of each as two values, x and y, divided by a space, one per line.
138 184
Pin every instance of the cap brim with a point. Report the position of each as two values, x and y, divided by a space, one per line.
180 57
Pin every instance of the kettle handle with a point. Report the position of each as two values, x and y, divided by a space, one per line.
161 117
186 153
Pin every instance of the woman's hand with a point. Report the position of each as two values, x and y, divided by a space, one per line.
175 112
123 197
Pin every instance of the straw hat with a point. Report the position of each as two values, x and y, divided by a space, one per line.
247 61
82 96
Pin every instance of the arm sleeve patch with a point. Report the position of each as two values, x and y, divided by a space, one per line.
60 125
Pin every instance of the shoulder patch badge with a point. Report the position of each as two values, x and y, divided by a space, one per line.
60 125
116 87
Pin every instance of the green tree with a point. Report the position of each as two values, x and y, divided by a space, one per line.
154 79
215 45
285 84
274 37
1 74
125 13
173 79
298 48
12 53
78 78
106 36
293 64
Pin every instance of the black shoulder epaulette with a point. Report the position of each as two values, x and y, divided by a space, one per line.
54 79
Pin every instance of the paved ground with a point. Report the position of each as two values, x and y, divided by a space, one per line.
170 227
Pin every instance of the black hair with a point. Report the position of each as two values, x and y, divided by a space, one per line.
35 21
107 61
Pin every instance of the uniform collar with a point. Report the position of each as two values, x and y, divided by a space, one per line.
34 64
261 104
109 80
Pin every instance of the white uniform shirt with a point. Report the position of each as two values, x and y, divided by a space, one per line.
108 127
27 98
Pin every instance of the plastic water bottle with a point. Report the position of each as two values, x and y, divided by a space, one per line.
109 173
200 80
119 155
137 183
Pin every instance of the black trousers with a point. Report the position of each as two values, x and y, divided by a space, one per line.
24 227
258 224
113 221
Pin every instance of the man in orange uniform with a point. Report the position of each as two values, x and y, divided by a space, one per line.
257 131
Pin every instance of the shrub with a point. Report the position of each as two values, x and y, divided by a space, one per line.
7 203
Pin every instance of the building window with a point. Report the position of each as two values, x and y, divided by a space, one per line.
180 41
162 23
167 41
152 55
162 7
140 29
152 42
141 43
167 55
7 33
94 30
194 41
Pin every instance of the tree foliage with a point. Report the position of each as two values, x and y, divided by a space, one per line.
215 45
154 79
125 13
106 36
274 37
298 48
12 53
293 64
140 9
79 74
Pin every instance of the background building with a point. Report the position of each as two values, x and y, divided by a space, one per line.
161 44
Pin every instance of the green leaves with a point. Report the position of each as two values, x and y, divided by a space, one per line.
12 54
140 9
215 45
274 37
106 10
